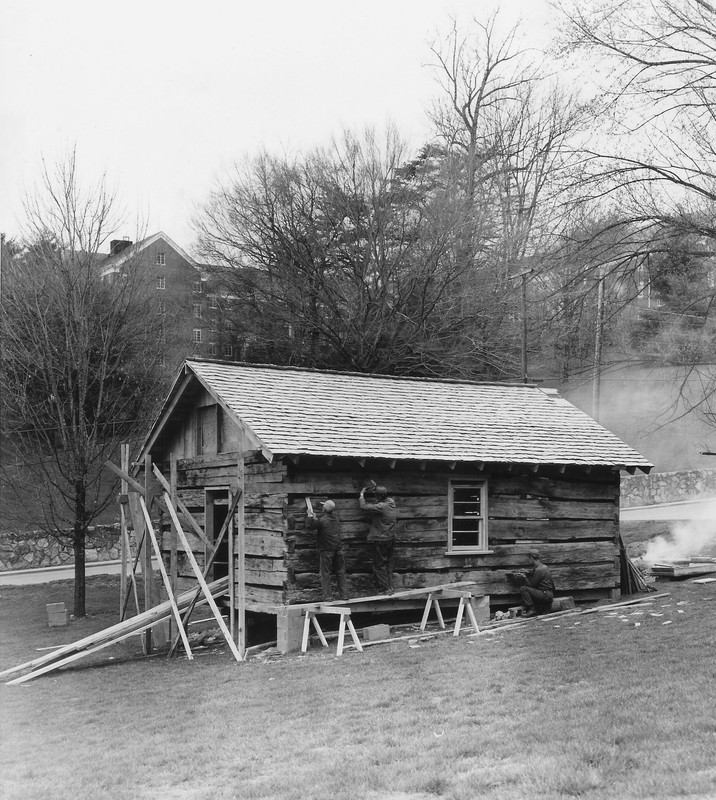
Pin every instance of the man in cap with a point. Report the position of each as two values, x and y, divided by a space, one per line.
382 532
538 589
330 550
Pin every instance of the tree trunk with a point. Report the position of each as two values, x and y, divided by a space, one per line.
79 537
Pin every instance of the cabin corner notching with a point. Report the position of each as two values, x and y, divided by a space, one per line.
480 474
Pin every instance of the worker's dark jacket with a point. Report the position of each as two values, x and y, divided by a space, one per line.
384 519
329 532
541 579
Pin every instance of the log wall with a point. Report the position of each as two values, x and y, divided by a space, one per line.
572 517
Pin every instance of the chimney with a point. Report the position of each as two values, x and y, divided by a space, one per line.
117 245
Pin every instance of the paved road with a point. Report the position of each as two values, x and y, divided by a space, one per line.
24 576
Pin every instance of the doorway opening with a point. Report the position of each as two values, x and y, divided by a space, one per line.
216 509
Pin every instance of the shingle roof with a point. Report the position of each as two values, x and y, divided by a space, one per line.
298 411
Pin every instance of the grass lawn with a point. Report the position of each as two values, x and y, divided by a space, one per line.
611 705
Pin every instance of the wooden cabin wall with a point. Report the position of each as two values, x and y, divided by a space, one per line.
571 517
264 519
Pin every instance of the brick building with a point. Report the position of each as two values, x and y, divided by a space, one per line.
197 316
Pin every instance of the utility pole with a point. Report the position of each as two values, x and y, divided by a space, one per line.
523 276
596 377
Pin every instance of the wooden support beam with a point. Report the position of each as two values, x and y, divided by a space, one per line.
241 557
202 583
165 577
465 605
96 641
123 537
173 555
209 563
432 601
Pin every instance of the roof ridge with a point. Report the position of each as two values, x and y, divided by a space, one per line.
353 374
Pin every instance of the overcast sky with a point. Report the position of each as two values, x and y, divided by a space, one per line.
164 96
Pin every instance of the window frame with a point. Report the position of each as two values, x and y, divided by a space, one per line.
482 542
161 259
196 335
161 282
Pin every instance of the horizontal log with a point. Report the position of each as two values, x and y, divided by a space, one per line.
264 544
409 557
265 564
524 508
555 530
219 459
553 489
325 485
406 508
266 577
263 594
262 500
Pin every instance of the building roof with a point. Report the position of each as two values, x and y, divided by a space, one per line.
112 263
301 411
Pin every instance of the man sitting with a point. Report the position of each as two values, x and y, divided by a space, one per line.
538 588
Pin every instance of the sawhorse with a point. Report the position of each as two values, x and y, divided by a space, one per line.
465 604
345 615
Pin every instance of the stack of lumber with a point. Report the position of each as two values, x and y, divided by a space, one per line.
685 568
632 581
116 633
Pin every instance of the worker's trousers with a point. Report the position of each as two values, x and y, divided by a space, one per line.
333 561
383 563
540 600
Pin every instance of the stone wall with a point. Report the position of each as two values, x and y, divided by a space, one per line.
667 487
35 549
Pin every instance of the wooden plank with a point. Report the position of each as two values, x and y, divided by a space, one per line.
209 562
165 577
202 583
241 555
114 633
173 564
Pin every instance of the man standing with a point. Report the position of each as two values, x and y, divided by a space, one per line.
330 550
382 532
538 591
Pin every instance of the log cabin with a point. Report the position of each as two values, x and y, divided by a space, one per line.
480 472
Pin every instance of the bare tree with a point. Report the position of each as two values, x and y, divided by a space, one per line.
508 131
78 372
347 257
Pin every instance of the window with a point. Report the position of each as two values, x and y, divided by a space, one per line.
197 310
228 351
196 336
196 287
213 349
161 259
467 524
161 282
162 305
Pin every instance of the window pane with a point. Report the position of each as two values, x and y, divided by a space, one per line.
463 536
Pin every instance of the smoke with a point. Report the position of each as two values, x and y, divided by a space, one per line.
686 539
